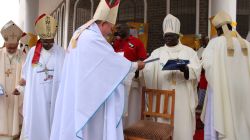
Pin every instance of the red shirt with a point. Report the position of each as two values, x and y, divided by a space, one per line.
132 47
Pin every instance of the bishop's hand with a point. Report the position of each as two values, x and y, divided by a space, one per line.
185 70
141 65
16 92
22 82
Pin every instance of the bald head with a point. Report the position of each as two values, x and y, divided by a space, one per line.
105 27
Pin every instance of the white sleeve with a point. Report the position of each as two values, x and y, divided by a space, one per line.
194 68
131 74
20 89
150 71
26 64
23 73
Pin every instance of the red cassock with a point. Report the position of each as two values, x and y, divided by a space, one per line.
203 81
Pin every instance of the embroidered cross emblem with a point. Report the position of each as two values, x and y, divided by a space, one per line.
8 72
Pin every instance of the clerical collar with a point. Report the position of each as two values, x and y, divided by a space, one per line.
174 48
94 27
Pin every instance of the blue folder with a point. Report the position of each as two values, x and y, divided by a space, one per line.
175 64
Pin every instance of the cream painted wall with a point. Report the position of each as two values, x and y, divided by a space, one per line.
47 6
228 6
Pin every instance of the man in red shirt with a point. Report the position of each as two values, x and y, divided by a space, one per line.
132 48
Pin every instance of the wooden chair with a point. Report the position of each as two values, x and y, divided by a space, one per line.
151 104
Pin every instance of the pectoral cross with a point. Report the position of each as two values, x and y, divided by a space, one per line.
8 72
46 71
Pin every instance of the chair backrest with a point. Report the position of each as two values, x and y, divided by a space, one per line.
154 106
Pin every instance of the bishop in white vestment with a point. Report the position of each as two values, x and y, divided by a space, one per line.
226 60
184 81
42 73
90 101
10 73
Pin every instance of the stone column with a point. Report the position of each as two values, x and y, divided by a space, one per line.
228 6
31 8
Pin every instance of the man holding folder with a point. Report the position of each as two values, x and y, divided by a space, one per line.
178 68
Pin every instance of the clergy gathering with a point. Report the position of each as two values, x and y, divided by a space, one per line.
126 70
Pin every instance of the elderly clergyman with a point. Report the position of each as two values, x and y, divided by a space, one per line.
90 101
11 60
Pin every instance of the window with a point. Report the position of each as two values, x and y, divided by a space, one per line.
83 12
55 16
131 11
62 25
243 17
58 27
185 10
